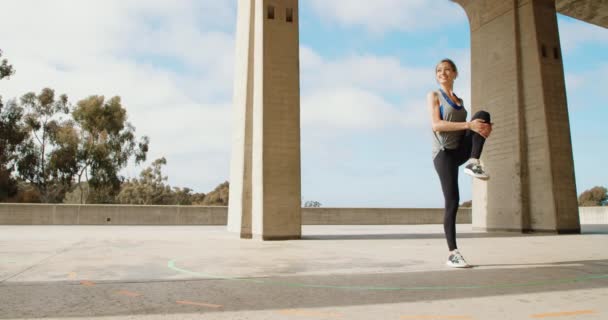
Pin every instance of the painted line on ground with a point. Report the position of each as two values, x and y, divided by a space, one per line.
171 265
199 304
428 317
87 283
305 313
128 293
562 314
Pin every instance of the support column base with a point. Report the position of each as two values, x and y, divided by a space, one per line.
279 238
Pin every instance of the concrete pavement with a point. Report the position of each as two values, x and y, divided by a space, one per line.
335 272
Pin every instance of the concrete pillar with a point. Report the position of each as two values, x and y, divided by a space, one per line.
518 76
239 201
265 180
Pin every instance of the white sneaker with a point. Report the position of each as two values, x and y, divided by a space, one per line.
456 260
476 170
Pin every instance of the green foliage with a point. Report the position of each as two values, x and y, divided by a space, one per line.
27 193
219 196
51 150
467 204
106 142
151 189
596 196
77 194
312 204
42 156
6 70
12 136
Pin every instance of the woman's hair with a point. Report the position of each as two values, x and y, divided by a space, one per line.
452 64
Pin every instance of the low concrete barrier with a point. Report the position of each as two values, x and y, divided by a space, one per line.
367 216
70 214
593 215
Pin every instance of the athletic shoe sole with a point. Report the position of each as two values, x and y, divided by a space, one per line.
458 265
475 175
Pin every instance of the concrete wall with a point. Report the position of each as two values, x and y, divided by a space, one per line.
49 214
593 215
65 214
366 216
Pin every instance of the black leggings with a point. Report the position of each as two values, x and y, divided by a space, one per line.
446 163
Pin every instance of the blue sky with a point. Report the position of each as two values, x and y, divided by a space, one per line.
364 77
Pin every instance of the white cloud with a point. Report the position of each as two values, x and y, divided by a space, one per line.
585 86
346 108
390 15
574 34
354 109
368 91
383 74
171 62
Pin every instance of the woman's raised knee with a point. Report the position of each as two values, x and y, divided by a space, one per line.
484 115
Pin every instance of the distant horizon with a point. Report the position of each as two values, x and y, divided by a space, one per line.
365 132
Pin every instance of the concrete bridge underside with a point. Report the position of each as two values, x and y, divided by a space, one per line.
517 75
591 11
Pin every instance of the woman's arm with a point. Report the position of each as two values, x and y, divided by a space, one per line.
439 125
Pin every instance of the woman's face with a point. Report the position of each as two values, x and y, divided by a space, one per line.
444 73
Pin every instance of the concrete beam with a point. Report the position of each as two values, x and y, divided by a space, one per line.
591 11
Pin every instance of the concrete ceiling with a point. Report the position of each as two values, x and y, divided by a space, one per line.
592 11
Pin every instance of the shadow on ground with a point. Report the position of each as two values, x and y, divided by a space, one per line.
403 236
74 299
594 229
585 229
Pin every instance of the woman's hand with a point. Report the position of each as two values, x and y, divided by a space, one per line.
480 126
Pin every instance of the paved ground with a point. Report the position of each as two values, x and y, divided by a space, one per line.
335 272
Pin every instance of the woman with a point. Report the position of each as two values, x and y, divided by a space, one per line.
455 141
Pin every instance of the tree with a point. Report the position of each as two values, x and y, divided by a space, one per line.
196 198
76 195
467 204
151 189
12 135
106 142
596 196
46 159
312 204
6 70
219 195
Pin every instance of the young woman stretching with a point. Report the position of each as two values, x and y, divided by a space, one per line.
455 141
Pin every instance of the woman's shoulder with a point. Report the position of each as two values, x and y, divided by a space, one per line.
432 95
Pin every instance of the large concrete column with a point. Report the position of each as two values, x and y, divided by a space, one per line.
518 76
239 201
265 170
